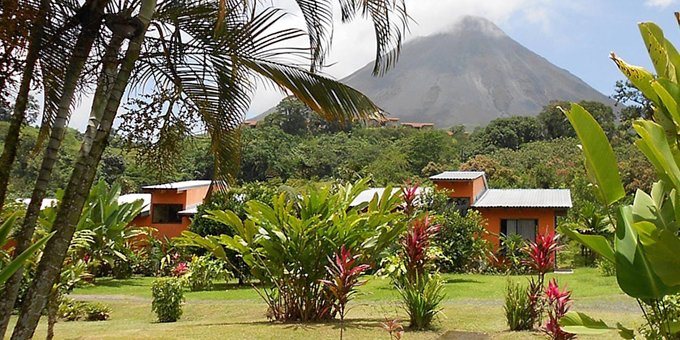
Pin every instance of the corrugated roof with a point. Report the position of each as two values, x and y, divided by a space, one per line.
524 198
190 210
457 175
179 185
46 202
368 194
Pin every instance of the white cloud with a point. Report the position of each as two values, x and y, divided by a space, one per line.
659 3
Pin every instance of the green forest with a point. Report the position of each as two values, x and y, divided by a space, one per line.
293 146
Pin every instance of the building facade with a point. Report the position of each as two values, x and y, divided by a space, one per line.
527 212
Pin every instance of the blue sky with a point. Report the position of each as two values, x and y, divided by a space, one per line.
576 35
580 39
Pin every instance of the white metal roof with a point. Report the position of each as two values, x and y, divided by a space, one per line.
184 185
524 198
457 175
129 198
190 210
46 202
368 194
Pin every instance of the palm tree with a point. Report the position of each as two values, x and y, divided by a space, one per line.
61 62
204 55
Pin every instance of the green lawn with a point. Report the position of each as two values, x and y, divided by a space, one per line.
474 304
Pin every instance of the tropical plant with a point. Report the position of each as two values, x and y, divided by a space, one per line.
519 312
394 328
421 290
558 304
104 234
283 241
7 269
513 259
202 271
344 274
460 238
168 297
646 231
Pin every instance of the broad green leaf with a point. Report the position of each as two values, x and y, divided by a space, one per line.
654 144
656 47
596 243
18 261
6 227
637 75
669 103
581 324
600 159
661 247
634 273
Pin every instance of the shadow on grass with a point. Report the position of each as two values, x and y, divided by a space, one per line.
234 286
116 283
458 280
358 323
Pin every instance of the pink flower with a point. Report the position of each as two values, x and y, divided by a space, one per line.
180 269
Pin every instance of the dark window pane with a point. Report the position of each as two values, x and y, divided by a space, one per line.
166 213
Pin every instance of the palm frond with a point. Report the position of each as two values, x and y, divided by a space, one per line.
333 100
390 21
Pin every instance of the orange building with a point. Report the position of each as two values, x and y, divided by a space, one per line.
170 206
526 212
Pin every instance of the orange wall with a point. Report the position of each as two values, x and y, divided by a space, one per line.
461 189
185 198
493 216
196 195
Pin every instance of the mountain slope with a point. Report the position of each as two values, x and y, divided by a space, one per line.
470 75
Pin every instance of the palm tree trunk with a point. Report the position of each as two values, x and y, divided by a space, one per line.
9 151
24 236
77 190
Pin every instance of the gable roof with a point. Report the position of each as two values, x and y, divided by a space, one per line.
179 186
524 198
368 194
457 175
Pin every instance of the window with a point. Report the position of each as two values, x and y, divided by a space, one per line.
166 213
461 204
526 228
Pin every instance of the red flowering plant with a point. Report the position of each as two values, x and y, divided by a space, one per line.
180 269
541 260
558 303
409 193
416 243
344 275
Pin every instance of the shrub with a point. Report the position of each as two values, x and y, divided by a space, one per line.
606 268
96 311
203 270
460 241
168 296
460 238
518 309
421 298
284 243
71 310
421 291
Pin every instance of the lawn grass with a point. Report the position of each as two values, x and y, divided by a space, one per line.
474 304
